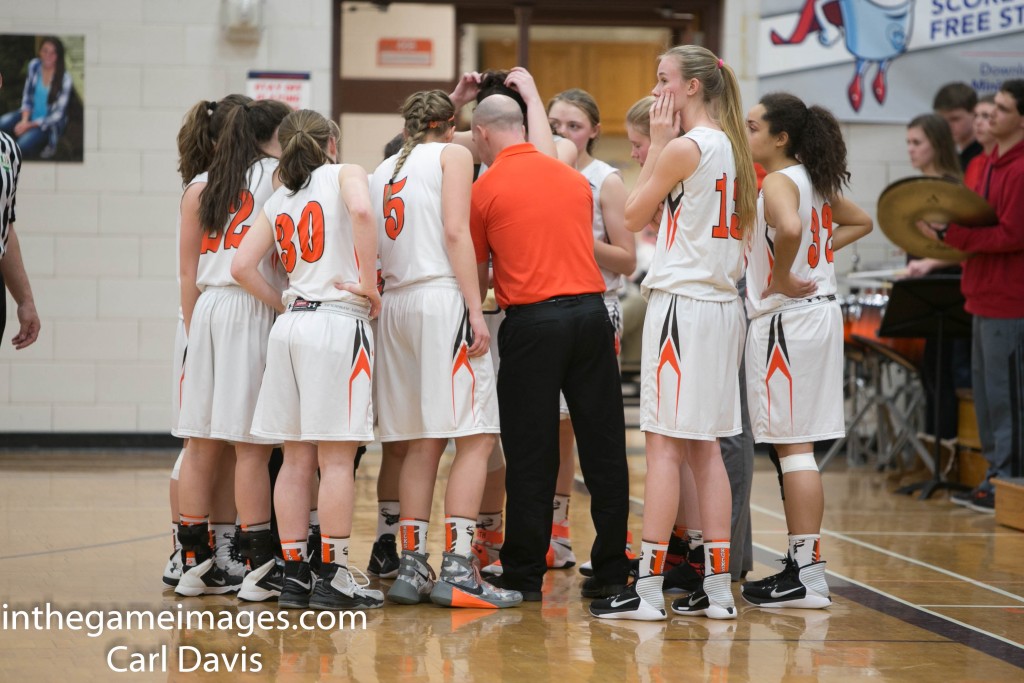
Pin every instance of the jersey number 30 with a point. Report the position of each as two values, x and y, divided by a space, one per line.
311 235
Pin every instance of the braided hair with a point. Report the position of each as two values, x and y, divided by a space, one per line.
424 111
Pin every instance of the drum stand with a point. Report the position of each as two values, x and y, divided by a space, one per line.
928 307
893 423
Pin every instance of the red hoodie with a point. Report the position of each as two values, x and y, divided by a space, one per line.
993 279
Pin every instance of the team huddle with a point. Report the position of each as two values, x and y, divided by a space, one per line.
318 302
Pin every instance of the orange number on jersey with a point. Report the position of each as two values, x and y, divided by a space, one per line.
311 235
826 222
394 209
233 234
284 226
814 250
721 230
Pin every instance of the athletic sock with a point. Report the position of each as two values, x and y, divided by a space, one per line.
696 537
491 521
458 535
414 534
560 510
805 549
387 520
716 557
652 558
314 518
335 550
293 551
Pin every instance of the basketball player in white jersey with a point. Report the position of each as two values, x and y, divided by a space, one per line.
574 115
435 376
794 348
195 141
317 384
227 331
693 330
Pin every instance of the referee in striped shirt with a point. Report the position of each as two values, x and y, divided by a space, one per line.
12 268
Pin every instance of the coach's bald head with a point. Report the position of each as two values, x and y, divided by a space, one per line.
497 124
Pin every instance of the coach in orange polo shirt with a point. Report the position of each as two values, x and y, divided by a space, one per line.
531 215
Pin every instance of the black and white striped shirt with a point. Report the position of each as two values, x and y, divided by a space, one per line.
10 165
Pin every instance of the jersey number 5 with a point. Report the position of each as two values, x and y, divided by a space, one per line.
721 230
814 250
311 235
394 209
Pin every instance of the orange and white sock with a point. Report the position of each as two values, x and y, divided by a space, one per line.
414 534
458 535
716 557
652 558
805 549
295 551
334 550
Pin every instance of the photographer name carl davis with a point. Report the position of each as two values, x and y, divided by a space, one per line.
183 659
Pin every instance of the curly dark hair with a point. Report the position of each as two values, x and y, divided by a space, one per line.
815 140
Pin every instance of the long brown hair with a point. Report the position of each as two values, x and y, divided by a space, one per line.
940 137
423 111
814 139
57 81
198 133
721 93
304 137
238 147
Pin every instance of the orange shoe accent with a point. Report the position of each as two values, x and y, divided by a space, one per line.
719 557
549 558
560 530
449 537
460 599
461 618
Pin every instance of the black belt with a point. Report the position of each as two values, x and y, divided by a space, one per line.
556 300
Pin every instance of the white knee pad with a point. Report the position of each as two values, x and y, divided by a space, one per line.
176 470
801 462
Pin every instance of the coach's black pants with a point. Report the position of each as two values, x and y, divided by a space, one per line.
566 344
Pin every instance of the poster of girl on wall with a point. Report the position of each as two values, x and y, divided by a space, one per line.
43 94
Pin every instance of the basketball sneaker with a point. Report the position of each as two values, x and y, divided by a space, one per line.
492 569
713 599
263 583
587 568
384 560
683 578
460 585
172 571
560 555
803 587
487 546
415 580
227 554
642 600
337 589
314 542
298 584
206 578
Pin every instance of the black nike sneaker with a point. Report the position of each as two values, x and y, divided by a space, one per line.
298 585
642 600
384 560
801 587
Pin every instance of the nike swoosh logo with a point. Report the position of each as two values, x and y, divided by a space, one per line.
619 603
217 581
425 577
778 594
306 586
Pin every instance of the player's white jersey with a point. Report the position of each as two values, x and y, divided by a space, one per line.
314 240
201 178
596 172
813 258
410 232
218 249
699 252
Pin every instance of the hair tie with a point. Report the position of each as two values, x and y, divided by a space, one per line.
721 63
435 124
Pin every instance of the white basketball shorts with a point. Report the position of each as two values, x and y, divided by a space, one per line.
795 374
689 367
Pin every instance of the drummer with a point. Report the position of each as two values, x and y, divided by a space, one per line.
993 286
932 152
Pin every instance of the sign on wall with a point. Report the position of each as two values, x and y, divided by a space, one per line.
291 87
42 102
405 52
883 60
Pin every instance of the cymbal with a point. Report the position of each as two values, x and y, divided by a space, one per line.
938 200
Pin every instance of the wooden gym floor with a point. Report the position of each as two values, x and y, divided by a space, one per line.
923 591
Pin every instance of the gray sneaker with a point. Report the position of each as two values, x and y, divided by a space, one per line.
415 580
460 585
337 589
